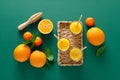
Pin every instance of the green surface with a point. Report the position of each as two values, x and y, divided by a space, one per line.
107 17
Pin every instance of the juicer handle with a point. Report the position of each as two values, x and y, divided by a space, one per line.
23 25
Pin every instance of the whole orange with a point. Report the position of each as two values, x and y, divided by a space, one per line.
27 36
90 21
37 59
22 53
95 36
38 41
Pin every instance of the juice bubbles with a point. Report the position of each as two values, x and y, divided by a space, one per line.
76 27
63 44
75 54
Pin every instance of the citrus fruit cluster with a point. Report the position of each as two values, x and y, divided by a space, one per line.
28 36
23 51
95 36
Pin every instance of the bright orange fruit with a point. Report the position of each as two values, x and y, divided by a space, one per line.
45 26
90 21
22 53
95 36
38 41
27 36
37 59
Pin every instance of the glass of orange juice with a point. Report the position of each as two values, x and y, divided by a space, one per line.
76 54
76 27
63 44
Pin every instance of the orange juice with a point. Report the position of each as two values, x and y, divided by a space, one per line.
63 44
75 54
76 27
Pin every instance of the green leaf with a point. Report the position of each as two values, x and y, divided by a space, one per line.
34 37
48 64
32 46
49 54
100 51
27 42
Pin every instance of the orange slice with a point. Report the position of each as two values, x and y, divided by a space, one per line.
75 54
76 27
45 26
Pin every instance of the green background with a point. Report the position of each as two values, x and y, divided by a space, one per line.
107 17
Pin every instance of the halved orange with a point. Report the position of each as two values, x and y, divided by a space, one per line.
45 26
